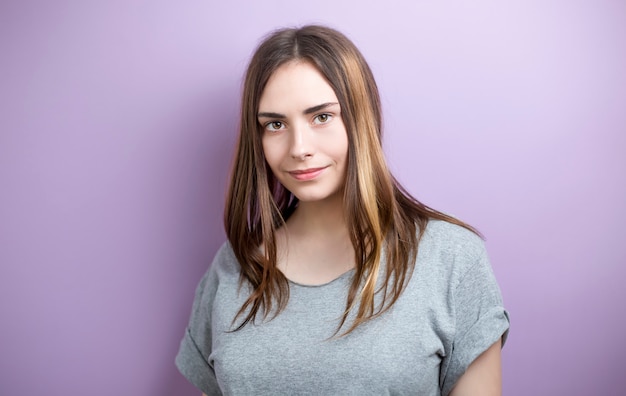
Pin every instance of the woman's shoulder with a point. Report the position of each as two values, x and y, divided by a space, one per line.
450 247
448 235
225 262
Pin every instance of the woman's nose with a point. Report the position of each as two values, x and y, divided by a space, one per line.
301 142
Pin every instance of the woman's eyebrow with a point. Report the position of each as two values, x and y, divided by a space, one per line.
270 115
310 110
317 108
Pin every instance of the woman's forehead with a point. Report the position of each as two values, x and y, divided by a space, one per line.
296 84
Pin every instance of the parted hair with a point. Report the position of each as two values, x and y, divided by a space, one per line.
380 213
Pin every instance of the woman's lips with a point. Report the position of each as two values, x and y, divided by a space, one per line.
306 174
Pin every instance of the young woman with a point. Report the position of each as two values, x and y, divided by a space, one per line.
334 280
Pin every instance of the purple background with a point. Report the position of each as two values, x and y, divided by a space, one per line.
117 124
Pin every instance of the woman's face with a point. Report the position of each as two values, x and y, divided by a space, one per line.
304 139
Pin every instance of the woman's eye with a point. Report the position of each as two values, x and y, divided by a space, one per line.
274 126
322 119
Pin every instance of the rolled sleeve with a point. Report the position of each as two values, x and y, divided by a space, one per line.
193 358
480 320
193 365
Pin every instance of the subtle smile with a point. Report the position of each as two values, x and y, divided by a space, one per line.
306 174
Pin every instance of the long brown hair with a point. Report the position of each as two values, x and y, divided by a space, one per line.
379 212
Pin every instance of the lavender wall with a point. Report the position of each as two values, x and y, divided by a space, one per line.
117 122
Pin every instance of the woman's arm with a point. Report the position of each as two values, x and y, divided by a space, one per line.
484 376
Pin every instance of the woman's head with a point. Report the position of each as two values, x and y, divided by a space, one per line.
346 71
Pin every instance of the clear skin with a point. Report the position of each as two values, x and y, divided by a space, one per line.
303 131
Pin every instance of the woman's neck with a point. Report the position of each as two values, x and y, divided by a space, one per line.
319 219
314 247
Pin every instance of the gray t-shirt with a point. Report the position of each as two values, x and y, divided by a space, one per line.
450 312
